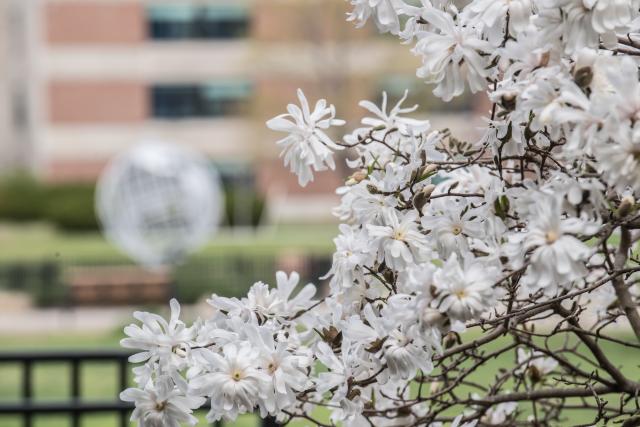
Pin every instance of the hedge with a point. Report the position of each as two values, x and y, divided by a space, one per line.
70 207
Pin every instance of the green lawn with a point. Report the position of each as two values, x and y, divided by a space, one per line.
38 241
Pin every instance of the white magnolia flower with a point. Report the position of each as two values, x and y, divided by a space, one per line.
499 414
493 15
456 422
287 367
602 299
307 148
464 288
162 404
399 241
393 119
451 56
340 370
620 77
451 224
535 364
267 302
157 337
542 97
590 21
557 256
620 158
406 355
352 252
384 13
233 380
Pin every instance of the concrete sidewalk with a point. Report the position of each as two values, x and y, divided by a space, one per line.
18 316
59 321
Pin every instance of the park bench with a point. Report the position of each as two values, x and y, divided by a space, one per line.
118 285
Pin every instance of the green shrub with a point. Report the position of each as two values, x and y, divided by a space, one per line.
70 207
242 207
21 198
230 275
41 280
67 206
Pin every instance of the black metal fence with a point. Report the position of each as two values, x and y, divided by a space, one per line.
27 407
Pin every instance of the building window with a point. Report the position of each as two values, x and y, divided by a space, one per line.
183 21
184 101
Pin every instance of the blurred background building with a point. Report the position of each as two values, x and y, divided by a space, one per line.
81 81
85 79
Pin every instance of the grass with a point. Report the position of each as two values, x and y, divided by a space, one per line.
51 381
35 242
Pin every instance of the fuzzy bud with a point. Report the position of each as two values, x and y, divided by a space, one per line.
626 205
422 197
508 101
432 318
583 77
360 176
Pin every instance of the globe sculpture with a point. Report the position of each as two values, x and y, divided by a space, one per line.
159 202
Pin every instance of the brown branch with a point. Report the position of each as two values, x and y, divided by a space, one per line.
550 393
624 297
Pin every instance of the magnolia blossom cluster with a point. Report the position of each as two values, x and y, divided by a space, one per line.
438 235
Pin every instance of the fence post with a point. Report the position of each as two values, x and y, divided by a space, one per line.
123 369
75 390
270 422
27 390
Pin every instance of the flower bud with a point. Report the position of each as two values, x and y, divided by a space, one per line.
544 59
626 205
583 77
451 339
353 393
429 169
436 386
422 197
534 374
508 101
373 189
376 346
360 176
432 318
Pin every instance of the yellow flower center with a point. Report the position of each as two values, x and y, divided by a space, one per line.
399 235
460 293
237 375
160 406
551 236
456 230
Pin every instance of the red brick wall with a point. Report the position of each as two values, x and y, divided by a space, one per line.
273 174
74 170
304 20
97 102
82 22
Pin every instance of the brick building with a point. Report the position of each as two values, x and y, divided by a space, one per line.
88 78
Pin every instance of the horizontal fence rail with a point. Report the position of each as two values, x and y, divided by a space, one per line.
75 406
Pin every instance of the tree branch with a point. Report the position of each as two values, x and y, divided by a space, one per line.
624 297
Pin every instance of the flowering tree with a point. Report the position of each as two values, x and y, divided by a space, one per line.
452 255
